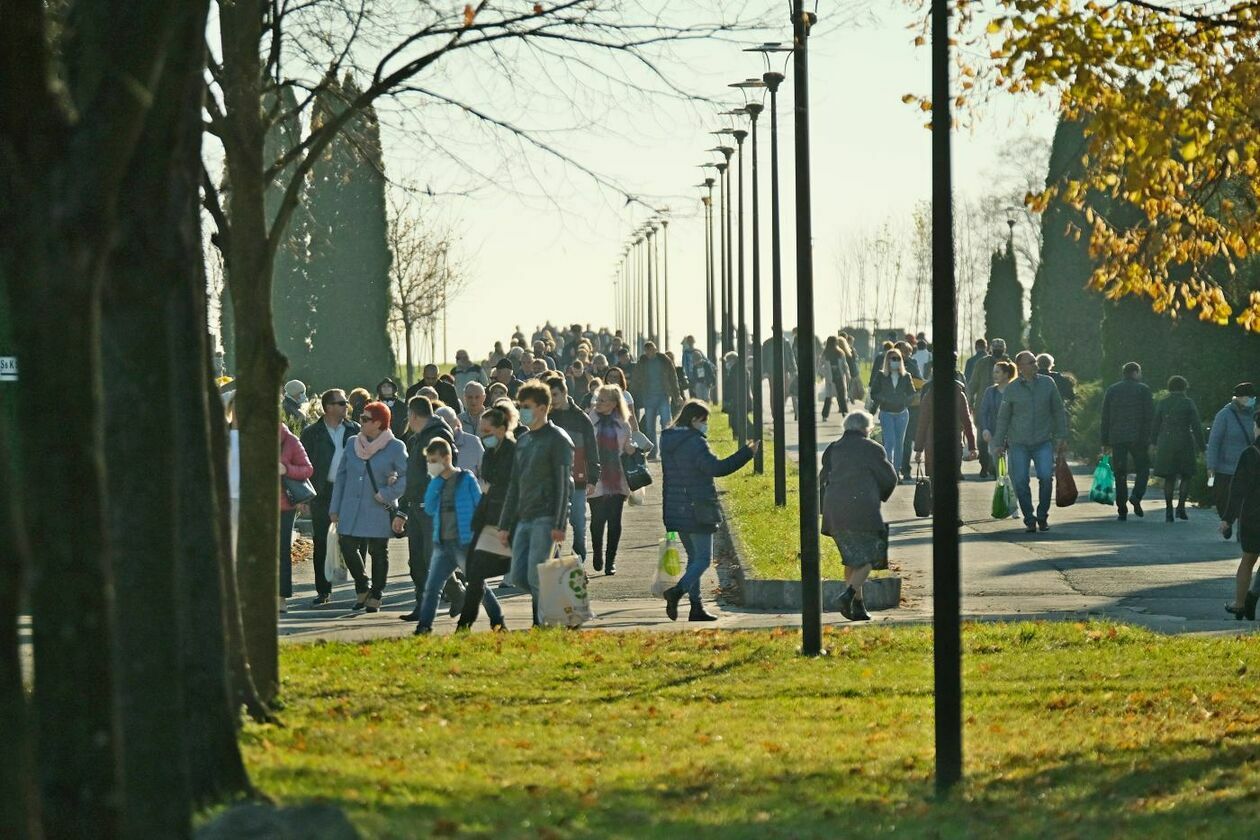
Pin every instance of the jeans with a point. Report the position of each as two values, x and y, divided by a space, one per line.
577 518
286 552
1141 455
699 548
531 546
355 550
893 426
655 410
1041 456
319 527
420 550
475 595
606 511
445 560
912 422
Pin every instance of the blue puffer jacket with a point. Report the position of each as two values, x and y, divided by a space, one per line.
688 468
467 497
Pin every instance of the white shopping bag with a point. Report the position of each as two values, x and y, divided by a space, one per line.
334 564
668 565
563 597
637 497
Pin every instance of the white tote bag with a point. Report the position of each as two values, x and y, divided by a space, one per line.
563 597
334 564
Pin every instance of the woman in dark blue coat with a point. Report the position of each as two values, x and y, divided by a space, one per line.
689 498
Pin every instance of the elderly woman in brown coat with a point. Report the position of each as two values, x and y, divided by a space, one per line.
856 478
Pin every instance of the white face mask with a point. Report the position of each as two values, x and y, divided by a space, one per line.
894 366
435 469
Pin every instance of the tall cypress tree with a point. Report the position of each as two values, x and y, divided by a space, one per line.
348 254
1004 298
291 298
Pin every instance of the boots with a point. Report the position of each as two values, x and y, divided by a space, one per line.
672 596
698 613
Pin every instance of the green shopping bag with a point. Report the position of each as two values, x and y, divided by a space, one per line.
1103 490
1001 499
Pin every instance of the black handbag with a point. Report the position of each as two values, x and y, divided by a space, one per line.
706 512
922 496
393 511
297 492
634 468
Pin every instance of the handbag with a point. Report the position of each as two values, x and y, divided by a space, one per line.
922 495
391 509
298 492
634 469
563 597
1065 492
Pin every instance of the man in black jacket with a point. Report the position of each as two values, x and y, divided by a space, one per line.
537 506
445 390
387 392
1127 411
425 428
504 373
324 442
574 422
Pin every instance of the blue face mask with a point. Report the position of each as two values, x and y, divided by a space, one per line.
1251 402
490 441
527 416
703 428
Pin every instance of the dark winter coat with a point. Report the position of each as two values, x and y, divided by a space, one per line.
982 377
578 427
1127 411
1178 435
856 477
496 471
417 461
542 479
688 467
445 391
319 448
924 433
889 397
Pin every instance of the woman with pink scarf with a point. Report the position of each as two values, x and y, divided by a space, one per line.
370 479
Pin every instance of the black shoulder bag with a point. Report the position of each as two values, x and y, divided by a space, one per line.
391 509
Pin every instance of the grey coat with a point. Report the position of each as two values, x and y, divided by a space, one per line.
856 478
360 514
1031 413
1230 435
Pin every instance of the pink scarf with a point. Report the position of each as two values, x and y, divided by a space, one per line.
365 448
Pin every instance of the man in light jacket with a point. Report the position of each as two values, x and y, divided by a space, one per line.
1231 434
1031 426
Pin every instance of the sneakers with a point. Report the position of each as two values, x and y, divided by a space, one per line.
373 604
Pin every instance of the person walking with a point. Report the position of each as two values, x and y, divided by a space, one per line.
363 498
445 390
689 503
616 376
835 373
1127 410
892 392
468 446
387 394
855 479
924 433
452 498
987 416
536 509
294 464
294 405
982 374
703 376
982 350
655 385
325 442
504 374
1230 435
575 423
474 403
499 441
359 398
1178 436
1032 425
1243 507
1065 382
467 372
425 427
607 495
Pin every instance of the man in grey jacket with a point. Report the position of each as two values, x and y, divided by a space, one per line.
1231 434
1031 425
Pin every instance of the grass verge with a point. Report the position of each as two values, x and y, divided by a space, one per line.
1072 731
770 535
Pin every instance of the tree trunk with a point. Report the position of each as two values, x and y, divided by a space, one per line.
411 357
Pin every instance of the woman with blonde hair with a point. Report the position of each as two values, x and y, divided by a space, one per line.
607 497
892 391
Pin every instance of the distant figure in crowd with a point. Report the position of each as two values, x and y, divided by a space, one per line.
362 498
359 398
325 442
616 376
387 395
982 350
294 404
1231 434
924 433
703 377
1065 382
982 374
835 374
855 479
1003 375
689 503
891 392
445 390
655 386
1127 411
468 446
573 422
1243 507
1178 436
466 372
504 375
607 494
536 509
474 404
1032 424
296 465
451 500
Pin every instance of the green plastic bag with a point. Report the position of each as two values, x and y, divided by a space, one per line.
668 565
1103 490
1001 498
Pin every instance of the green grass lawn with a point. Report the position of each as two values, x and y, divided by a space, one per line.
769 535
1073 731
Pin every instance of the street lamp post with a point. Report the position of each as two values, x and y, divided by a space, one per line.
710 322
665 281
811 586
739 426
651 286
754 110
728 325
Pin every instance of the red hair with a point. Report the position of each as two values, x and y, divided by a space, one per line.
377 411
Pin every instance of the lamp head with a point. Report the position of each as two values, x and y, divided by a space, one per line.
772 80
754 110
740 134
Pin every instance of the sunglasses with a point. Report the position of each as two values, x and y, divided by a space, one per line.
342 403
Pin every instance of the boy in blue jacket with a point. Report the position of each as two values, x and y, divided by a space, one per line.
451 499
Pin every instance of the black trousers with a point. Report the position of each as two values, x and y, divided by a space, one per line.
420 552
606 513
356 550
1141 456
319 528
1220 493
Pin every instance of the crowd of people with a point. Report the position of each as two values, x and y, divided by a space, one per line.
529 448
